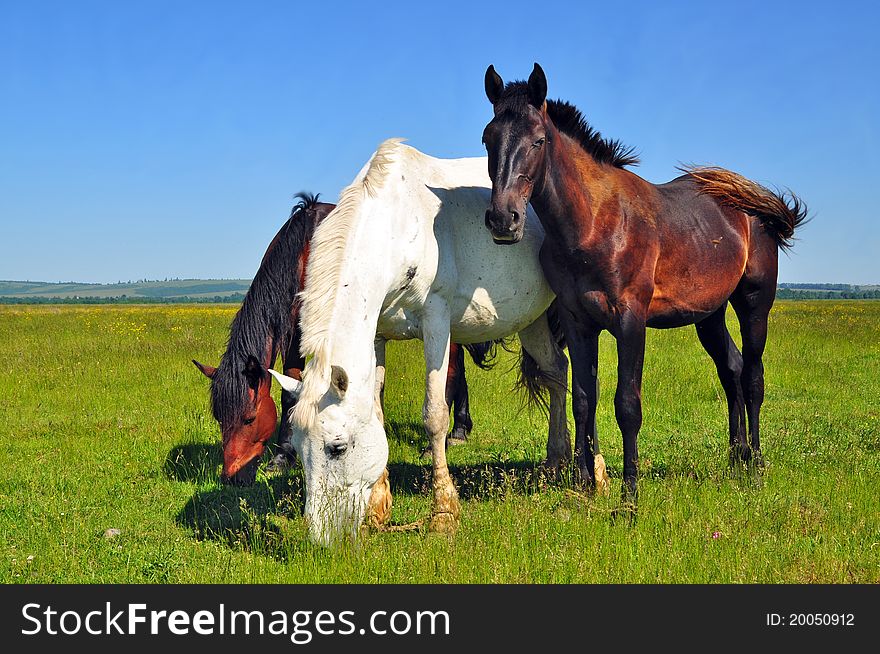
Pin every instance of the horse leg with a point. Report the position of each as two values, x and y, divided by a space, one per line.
379 400
379 505
537 342
583 347
716 340
457 395
630 334
445 507
292 364
752 310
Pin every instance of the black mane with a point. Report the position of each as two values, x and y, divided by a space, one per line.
569 120
264 319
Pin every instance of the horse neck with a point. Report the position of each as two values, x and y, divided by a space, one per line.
250 334
572 187
371 261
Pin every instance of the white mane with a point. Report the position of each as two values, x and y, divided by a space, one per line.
327 256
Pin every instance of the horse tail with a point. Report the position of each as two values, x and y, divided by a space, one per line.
534 382
781 213
485 355
555 325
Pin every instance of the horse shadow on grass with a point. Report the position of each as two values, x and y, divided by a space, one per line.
480 481
474 481
252 518
266 518
195 462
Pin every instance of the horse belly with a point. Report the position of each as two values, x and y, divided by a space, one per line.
499 291
492 291
688 298
480 318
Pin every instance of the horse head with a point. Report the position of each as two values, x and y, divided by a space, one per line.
342 446
246 423
514 140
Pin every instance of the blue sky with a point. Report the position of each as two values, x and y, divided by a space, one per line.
153 140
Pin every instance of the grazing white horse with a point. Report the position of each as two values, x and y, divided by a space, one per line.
405 255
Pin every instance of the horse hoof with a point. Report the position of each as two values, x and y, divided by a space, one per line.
379 504
757 459
627 511
600 475
443 523
740 454
555 464
457 436
445 509
584 479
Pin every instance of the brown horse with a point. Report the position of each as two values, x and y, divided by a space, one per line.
623 254
267 324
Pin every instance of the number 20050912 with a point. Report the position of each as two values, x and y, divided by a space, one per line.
811 620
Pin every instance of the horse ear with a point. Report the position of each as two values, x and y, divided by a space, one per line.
494 84
289 384
207 371
537 87
339 381
254 372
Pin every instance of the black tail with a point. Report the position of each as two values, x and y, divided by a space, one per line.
555 325
534 382
484 355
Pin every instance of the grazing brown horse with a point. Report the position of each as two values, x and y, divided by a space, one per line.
623 254
267 324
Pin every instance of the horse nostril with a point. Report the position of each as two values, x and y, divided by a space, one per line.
489 218
514 220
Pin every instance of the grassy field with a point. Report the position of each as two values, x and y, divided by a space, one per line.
105 423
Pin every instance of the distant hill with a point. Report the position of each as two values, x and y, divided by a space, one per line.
176 290
800 291
233 290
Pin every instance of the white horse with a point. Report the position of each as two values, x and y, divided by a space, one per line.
405 255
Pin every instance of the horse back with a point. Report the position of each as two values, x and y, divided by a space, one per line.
702 252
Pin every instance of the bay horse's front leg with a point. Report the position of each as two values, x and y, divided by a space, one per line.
445 507
583 346
457 395
630 334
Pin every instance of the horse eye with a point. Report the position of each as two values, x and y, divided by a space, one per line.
249 421
539 142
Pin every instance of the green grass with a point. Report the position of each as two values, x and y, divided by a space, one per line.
104 423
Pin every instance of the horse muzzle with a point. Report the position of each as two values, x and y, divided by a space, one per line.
506 227
241 475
